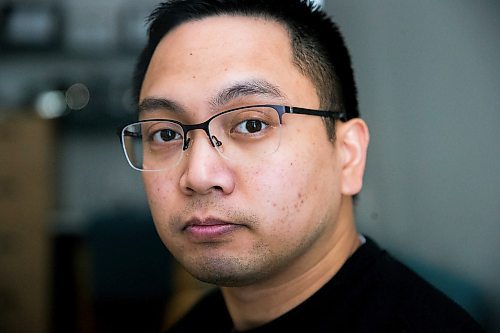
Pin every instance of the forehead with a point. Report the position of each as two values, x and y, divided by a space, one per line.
219 44
246 25
222 32
198 59
223 40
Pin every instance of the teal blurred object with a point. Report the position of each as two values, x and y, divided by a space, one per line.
130 271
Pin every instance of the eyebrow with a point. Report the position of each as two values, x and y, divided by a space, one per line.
154 103
237 90
246 88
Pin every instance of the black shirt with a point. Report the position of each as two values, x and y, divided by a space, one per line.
372 292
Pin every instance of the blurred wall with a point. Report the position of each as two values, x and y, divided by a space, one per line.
428 75
46 47
98 44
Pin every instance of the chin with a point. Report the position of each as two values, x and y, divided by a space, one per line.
226 272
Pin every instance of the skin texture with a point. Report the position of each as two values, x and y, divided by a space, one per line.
272 231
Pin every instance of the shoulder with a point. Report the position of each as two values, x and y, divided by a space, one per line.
208 315
403 298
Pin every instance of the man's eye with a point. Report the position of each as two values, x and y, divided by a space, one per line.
250 126
165 135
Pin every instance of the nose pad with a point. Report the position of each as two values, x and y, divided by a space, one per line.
216 142
186 144
212 139
204 171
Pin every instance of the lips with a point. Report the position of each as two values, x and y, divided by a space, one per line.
210 229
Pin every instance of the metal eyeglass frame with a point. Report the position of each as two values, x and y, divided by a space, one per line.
280 109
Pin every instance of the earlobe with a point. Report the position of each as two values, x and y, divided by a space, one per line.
352 138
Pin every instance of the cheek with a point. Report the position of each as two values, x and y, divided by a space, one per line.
295 184
159 191
280 190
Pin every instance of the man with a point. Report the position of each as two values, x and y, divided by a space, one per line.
252 150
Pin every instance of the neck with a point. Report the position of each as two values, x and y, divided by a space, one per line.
257 304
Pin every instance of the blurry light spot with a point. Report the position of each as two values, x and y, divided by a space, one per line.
31 25
77 96
50 104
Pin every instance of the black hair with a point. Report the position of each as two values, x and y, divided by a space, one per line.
319 50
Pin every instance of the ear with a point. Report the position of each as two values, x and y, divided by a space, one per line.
352 141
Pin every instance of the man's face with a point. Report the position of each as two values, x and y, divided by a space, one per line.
232 222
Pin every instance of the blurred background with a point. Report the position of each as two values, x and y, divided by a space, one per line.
78 250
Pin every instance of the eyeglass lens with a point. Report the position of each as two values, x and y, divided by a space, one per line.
244 135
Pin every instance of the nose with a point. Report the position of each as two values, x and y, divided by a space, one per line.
204 169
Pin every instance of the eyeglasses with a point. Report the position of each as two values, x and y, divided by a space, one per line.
244 134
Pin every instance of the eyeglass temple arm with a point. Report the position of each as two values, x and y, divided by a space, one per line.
126 133
328 114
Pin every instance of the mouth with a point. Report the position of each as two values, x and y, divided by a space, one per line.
210 229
